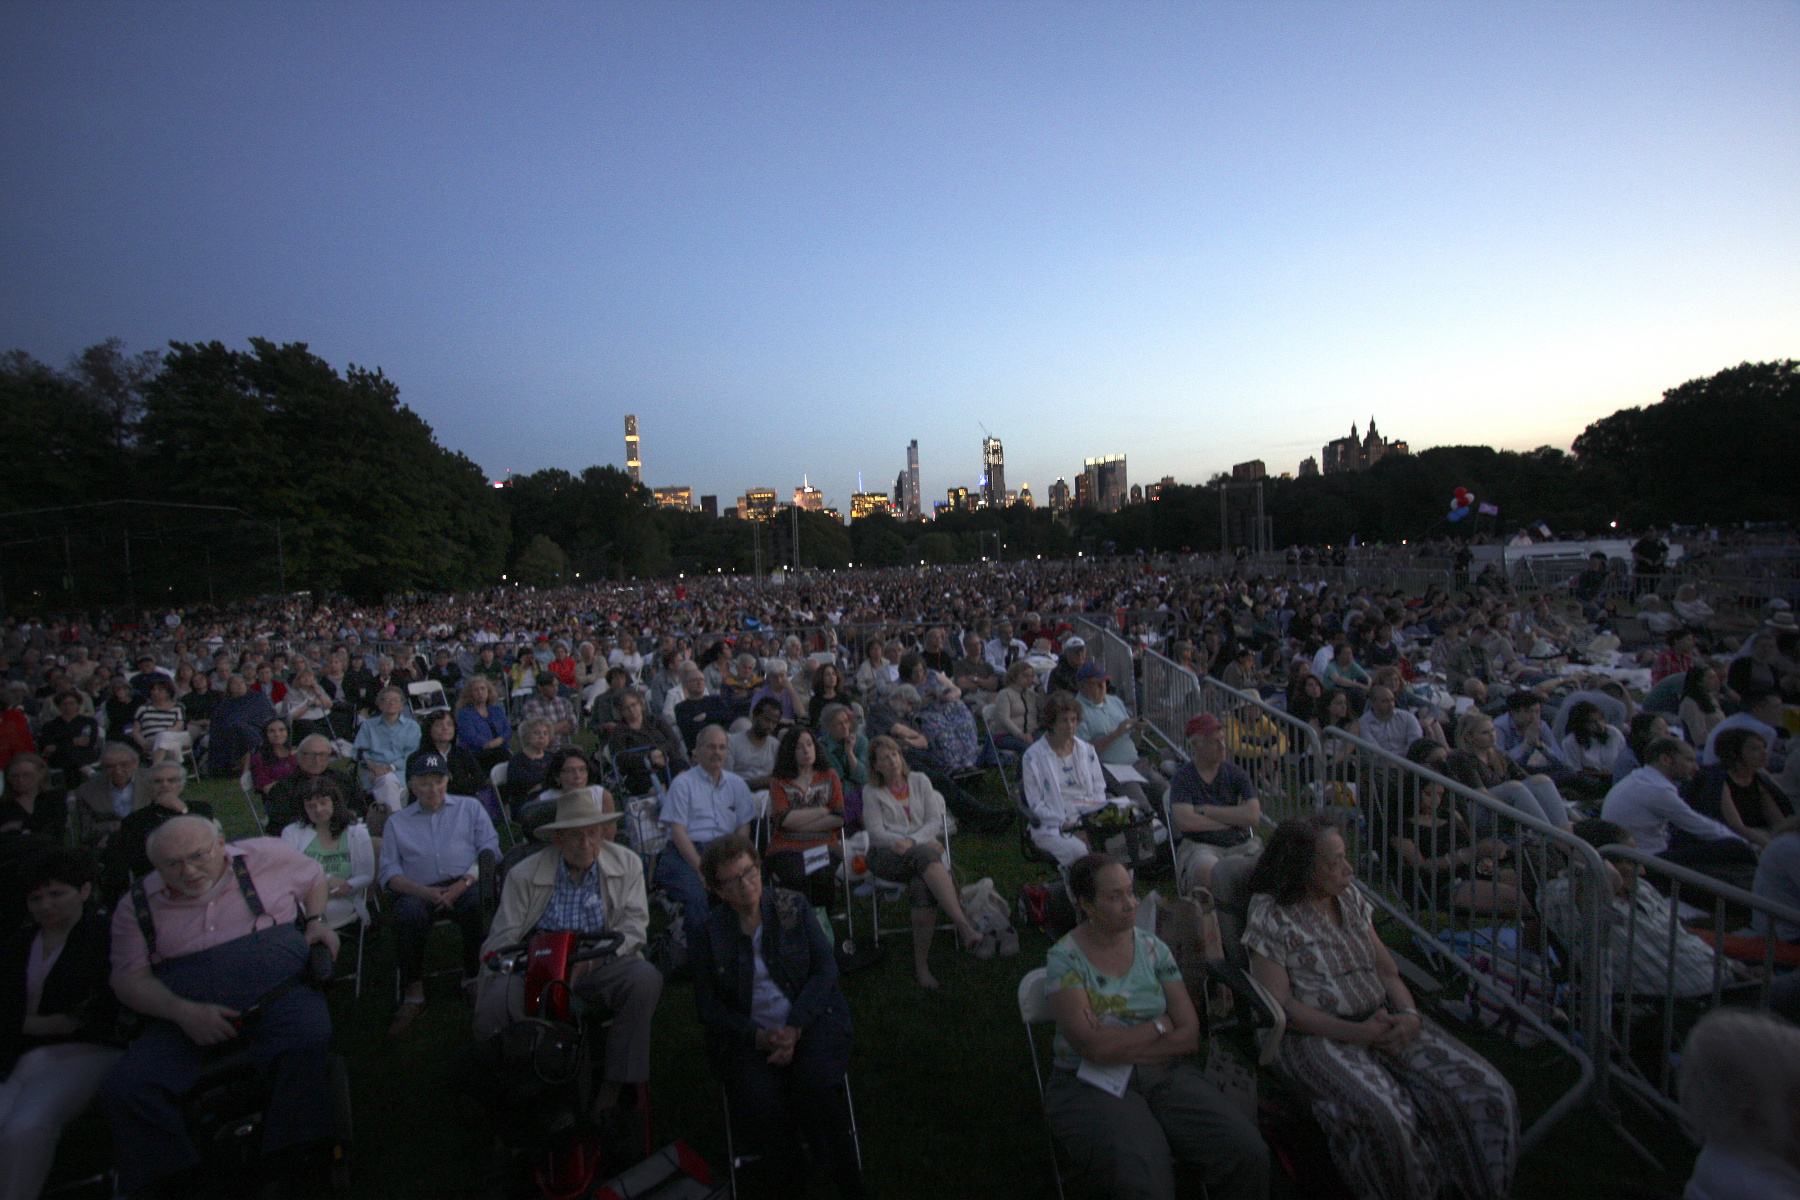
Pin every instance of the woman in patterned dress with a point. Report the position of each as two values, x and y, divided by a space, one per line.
1409 1112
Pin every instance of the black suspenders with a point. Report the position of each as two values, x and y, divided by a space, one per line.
140 903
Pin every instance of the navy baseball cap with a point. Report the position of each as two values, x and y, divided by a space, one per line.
426 762
1090 671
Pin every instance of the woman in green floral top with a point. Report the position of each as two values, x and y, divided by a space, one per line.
1126 1099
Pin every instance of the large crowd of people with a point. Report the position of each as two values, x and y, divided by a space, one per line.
747 731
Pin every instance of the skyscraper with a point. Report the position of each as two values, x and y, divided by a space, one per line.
912 481
993 473
1059 496
1108 489
633 467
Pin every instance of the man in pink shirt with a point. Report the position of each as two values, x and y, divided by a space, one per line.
212 931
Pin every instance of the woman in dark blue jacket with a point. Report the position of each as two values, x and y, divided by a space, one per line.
777 1027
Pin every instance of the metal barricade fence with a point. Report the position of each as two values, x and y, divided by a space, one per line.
1469 878
1283 755
1673 975
1114 653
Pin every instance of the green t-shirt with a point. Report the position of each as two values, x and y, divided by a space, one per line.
336 862
1132 1000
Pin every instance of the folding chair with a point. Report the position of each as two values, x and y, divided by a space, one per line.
426 697
256 808
736 1160
497 780
1034 1009
879 887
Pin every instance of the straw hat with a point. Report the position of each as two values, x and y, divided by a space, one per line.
577 808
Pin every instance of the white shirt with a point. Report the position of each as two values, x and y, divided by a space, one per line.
1646 802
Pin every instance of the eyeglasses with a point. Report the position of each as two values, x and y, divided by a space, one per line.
197 860
748 873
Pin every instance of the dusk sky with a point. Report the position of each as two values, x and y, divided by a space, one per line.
790 237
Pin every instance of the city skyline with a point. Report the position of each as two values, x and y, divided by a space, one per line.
789 238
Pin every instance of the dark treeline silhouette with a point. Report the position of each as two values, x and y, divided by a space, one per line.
205 474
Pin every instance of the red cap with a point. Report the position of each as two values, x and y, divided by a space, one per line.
1204 725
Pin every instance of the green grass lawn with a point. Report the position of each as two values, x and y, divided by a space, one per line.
944 1095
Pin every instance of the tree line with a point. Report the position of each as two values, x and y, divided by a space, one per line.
210 473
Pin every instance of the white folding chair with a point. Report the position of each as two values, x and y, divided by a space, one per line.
1034 1010
497 780
426 697
256 808
880 888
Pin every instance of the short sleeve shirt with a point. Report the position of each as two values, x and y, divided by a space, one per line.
1232 785
1131 1000
1330 966
283 877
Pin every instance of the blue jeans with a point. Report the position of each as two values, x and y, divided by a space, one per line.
684 883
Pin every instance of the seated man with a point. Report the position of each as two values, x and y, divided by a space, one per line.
705 802
109 795
973 673
1647 802
697 708
281 803
581 883
548 704
1111 731
750 753
1649 930
1068 664
209 933
383 744
430 860
1387 725
1523 737
1213 804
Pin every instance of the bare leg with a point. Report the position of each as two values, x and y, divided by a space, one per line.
924 924
943 890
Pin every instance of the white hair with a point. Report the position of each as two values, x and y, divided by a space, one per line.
174 825
1740 1081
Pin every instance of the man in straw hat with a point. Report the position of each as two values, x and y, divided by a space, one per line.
583 882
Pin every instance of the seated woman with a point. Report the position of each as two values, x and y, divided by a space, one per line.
1408 1111
1305 695
1737 790
1063 782
1478 764
1700 711
806 812
1119 1002
1017 715
1336 712
904 818
645 748
27 806
481 724
56 1017
528 770
777 1027
827 689
845 749
331 836
273 759
467 777
1591 748
155 726
1438 859
570 768
306 705
1344 672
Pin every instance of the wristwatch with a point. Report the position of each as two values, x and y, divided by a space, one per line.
1160 1027
311 917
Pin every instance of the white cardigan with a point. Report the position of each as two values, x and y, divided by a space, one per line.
341 910
1043 783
